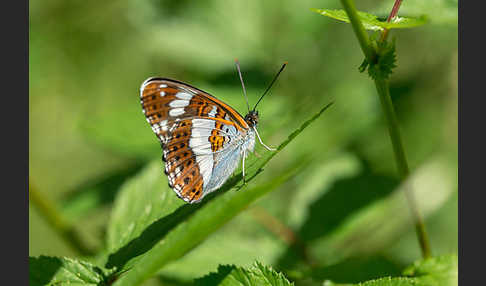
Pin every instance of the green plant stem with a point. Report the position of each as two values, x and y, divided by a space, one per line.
384 93
56 220
359 30
393 129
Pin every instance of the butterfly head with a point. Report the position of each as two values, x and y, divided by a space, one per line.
252 118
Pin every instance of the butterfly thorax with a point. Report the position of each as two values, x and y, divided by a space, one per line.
252 118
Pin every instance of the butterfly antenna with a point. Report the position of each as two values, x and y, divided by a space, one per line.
273 81
242 84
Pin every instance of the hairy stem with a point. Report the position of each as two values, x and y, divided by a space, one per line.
57 221
384 93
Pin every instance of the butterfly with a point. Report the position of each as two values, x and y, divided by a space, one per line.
202 138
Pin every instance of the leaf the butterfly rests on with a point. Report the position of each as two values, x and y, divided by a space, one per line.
203 139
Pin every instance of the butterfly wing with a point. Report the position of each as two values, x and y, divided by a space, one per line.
199 135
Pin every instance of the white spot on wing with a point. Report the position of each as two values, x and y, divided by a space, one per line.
162 85
204 124
176 112
162 93
184 95
179 103
199 143
201 130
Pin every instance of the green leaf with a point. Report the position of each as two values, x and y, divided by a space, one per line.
389 281
46 270
371 22
429 272
433 271
386 59
363 65
188 228
440 270
258 274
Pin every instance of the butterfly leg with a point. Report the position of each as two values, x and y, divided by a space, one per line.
261 142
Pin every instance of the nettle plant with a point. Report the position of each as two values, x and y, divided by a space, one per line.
149 229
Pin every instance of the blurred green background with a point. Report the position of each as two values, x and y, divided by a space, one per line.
87 60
